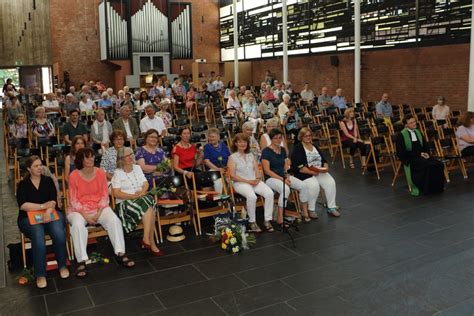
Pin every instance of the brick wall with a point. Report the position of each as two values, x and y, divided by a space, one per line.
71 23
414 76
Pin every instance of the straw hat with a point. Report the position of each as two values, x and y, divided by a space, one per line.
175 234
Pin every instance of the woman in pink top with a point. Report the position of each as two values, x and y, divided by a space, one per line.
89 205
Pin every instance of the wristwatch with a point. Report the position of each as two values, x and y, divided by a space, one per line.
41 206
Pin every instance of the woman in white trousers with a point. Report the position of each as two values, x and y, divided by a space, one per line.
311 167
275 164
243 169
89 205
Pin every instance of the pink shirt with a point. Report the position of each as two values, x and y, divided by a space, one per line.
88 195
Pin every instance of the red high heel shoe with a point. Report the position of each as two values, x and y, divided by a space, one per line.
144 245
158 253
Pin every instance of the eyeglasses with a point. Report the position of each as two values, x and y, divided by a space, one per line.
308 135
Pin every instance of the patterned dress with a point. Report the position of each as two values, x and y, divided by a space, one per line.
151 159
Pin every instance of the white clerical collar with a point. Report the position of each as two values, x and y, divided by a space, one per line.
413 135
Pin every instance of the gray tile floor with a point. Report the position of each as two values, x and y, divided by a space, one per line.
389 254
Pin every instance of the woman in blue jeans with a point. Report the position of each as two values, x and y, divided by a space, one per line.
38 192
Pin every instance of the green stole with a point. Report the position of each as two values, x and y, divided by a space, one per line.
408 146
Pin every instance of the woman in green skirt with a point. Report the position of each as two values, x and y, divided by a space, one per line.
133 204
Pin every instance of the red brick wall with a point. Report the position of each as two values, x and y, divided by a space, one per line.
414 76
70 49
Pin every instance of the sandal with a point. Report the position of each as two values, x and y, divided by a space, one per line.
81 270
333 212
125 261
306 219
268 226
41 282
254 228
351 165
64 273
313 215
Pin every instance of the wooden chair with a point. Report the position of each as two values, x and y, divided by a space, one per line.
222 207
449 152
183 216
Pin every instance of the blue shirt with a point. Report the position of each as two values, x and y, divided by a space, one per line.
105 103
217 155
277 162
339 101
384 109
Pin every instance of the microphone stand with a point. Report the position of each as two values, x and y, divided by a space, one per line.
286 225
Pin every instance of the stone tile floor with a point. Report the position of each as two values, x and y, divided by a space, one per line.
389 254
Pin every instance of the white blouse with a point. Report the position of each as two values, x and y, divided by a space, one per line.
128 182
244 165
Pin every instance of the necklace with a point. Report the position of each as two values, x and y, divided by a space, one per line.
134 182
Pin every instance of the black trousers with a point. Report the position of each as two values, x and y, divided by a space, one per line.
468 151
354 146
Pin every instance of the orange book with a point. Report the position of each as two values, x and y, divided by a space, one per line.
36 217
170 202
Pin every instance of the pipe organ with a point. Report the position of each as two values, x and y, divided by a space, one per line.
131 27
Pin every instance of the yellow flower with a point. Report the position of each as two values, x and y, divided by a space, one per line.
227 241
223 246
106 260
173 189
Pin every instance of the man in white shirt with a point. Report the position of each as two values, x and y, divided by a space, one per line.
50 104
151 121
307 94
218 83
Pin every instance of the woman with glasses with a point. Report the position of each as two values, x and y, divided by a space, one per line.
276 164
310 167
89 205
149 156
134 205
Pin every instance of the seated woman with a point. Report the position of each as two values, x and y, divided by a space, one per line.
440 109
423 173
305 158
216 154
89 205
248 129
292 122
86 105
275 164
142 102
109 157
18 131
265 139
78 142
350 137
166 116
133 205
42 127
100 131
149 156
38 192
243 169
14 109
465 135
186 157
191 101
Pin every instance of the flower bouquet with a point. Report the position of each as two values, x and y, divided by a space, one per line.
164 166
230 231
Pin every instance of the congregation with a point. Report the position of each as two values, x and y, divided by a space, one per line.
267 144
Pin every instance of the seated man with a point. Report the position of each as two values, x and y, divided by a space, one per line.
384 108
324 100
307 95
424 174
73 128
51 105
265 107
151 121
128 125
338 100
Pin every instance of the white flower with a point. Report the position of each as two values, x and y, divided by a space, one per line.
235 249
233 241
